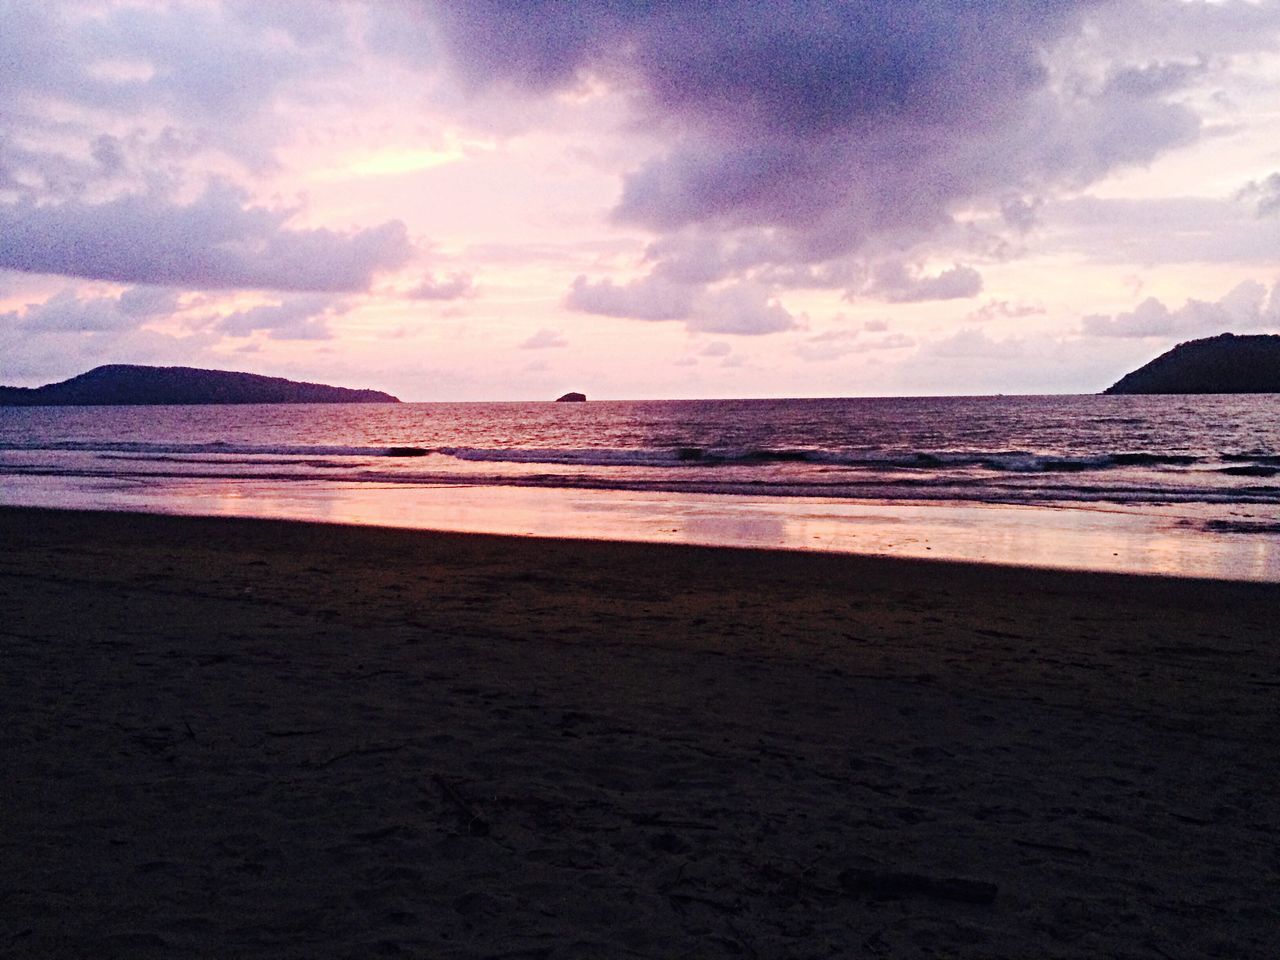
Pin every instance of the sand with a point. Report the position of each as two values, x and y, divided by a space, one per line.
230 738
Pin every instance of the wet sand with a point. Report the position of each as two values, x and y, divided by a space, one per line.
236 738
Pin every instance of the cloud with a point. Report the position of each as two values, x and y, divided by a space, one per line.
1005 309
1150 318
1155 78
648 299
1021 213
107 152
294 318
66 312
214 242
33 361
69 332
892 281
142 92
453 287
146 302
544 339
835 344
124 125
1160 230
210 60
1265 193
70 312
970 361
1246 307
806 130
744 309
894 341
716 348
970 344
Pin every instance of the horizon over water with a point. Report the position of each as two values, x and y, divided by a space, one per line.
1182 485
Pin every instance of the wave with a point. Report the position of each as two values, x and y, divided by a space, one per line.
1260 458
1000 461
922 487
1018 461
217 447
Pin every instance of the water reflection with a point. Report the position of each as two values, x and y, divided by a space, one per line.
1170 541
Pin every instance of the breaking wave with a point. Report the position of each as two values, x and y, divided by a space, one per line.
1005 461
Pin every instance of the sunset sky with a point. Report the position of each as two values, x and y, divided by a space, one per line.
508 200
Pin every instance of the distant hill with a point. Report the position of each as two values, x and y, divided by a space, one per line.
1222 364
122 384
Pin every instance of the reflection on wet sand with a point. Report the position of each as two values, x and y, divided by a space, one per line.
1167 541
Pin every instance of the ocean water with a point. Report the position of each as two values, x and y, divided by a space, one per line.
1187 485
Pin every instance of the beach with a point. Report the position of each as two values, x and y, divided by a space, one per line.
249 738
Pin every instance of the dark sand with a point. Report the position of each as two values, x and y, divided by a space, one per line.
228 738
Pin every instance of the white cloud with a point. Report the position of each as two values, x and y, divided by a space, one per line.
1246 307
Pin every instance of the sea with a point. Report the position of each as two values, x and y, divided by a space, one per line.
1172 485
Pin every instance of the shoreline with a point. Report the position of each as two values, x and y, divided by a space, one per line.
1167 541
230 737
893 565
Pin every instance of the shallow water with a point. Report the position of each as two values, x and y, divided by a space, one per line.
1177 485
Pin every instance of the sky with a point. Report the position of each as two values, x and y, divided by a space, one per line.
500 200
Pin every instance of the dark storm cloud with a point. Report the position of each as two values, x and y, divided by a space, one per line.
786 65
214 242
805 139
839 122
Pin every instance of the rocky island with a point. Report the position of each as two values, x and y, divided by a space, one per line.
1226 363
572 398
125 384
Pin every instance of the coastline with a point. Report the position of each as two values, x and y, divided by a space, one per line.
1174 541
256 738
